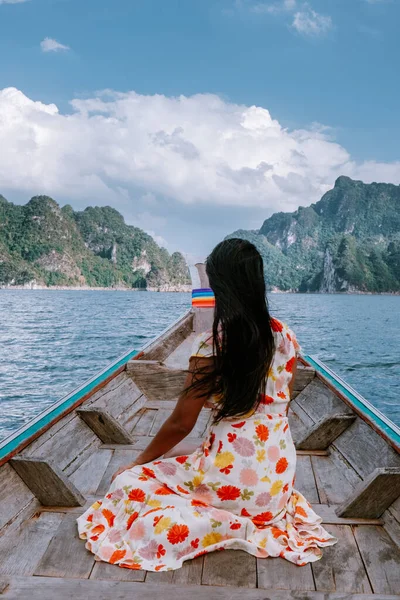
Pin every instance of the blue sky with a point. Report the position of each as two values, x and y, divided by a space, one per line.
326 70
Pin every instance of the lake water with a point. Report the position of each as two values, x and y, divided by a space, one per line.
52 341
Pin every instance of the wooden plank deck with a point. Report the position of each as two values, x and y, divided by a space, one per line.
352 567
42 558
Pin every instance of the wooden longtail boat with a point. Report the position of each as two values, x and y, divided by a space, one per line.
51 469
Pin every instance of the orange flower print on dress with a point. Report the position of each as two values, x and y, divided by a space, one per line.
133 566
163 491
235 489
137 495
276 325
117 555
239 425
281 465
198 503
228 492
262 518
131 519
161 551
290 363
300 511
148 472
96 531
262 432
109 516
265 400
177 534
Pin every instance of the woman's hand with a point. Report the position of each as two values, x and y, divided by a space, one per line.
122 469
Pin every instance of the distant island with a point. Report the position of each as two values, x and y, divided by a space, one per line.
44 245
349 241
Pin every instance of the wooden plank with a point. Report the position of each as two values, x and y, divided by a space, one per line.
341 568
157 381
333 487
329 517
118 459
188 574
66 555
166 343
297 427
47 482
157 404
103 570
3 585
395 509
22 548
325 431
69 447
299 421
374 495
89 475
145 422
105 426
120 395
203 421
317 400
365 449
51 588
392 527
179 358
381 558
280 574
197 431
203 319
230 568
161 417
313 453
14 494
304 376
305 480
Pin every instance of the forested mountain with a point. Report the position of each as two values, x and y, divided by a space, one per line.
42 242
348 241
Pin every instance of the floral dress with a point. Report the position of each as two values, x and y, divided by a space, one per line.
235 491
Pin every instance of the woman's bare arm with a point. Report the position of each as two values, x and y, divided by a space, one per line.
182 420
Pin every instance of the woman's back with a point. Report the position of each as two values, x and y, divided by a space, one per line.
279 375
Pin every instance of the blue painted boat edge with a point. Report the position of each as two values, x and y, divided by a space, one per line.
12 443
361 405
19 439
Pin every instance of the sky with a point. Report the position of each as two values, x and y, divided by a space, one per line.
195 118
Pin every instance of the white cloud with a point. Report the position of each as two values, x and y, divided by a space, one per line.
12 1
274 8
305 19
50 45
310 23
168 157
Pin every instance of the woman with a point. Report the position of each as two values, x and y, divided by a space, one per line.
236 490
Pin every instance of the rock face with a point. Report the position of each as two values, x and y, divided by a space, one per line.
43 244
349 241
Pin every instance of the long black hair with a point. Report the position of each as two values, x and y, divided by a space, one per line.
243 341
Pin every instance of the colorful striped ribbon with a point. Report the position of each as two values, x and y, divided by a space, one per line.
203 298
